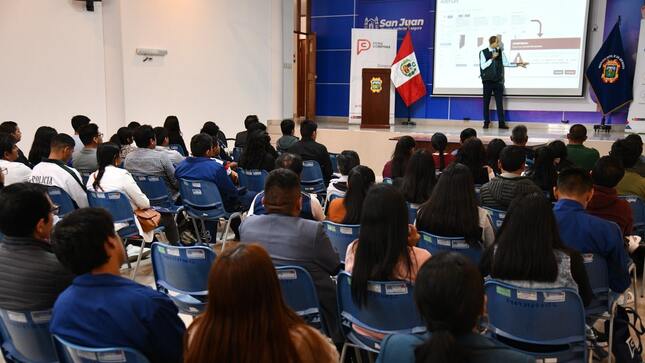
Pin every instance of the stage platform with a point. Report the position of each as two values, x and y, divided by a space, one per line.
375 147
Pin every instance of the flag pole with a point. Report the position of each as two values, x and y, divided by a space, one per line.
603 121
409 122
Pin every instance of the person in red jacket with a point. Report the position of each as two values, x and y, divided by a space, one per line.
605 203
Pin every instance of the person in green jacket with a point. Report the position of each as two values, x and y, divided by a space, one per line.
582 156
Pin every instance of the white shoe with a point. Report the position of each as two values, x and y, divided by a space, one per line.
133 252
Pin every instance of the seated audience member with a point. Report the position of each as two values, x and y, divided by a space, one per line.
255 155
395 168
124 137
499 192
453 210
310 207
258 126
385 249
439 143
79 121
347 160
144 160
580 155
449 293
291 240
519 137
213 130
528 251
288 139
11 128
347 210
102 309
586 233
544 173
605 202
221 333
84 160
161 137
416 186
628 153
560 153
14 171
639 167
240 138
55 172
33 277
494 148
41 145
174 133
473 155
465 135
309 149
133 125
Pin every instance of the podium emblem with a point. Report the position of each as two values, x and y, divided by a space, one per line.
376 85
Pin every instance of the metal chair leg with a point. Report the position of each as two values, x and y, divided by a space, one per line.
342 353
199 238
632 270
127 258
133 275
611 330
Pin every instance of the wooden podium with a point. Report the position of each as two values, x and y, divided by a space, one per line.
375 104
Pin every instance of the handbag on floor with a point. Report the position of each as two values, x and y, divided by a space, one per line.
628 332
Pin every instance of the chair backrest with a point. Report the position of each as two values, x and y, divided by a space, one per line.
341 235
201 199
253 180
60 197
638 209
73 353
333 157
182 269
311 178
299 292
237 153
436 244
412 212
535 316
177 148
155 189
118 205
390 307
85 177
497 217
26 337
388 181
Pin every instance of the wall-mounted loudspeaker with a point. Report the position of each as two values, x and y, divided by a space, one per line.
89 4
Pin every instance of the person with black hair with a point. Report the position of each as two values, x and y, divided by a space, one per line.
580 155
309 149
133 125
585 233
84 160
161 136
544 173
419 179
519 138
79 121
13 171
288 139
255 155
292 240
395 168
55 172
499 192
493 149
453 209
605 203
385 249
33 276
639 167
174 133
528 251
144 160
240 138
439 143
101 308
347 160
560 153
11 128
41 145
347 210
628 153
467 134
449 293
214 131
472 154
124 137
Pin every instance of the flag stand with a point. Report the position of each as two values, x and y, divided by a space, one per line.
603 126
409 122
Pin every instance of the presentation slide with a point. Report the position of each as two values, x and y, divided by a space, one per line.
548 36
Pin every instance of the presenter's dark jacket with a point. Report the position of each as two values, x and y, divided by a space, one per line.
240 139
309 149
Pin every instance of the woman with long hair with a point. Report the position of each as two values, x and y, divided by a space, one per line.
560 153
174 133
473 155
255 155
395 168
453 210
528 251
384 250
449 294
419 179
250 322
544 173
493 150
41 145
124 138
439 143
348 210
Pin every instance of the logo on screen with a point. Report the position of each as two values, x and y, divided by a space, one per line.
408 68
363 45
376 85
371 23
611 67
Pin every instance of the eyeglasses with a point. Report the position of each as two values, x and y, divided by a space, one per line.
54 209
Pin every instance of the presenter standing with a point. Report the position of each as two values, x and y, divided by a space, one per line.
492 61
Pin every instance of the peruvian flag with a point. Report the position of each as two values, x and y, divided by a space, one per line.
406 75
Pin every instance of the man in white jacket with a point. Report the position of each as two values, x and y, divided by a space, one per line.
55 172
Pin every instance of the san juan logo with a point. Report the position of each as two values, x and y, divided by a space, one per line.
611 67
376 85
409 68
